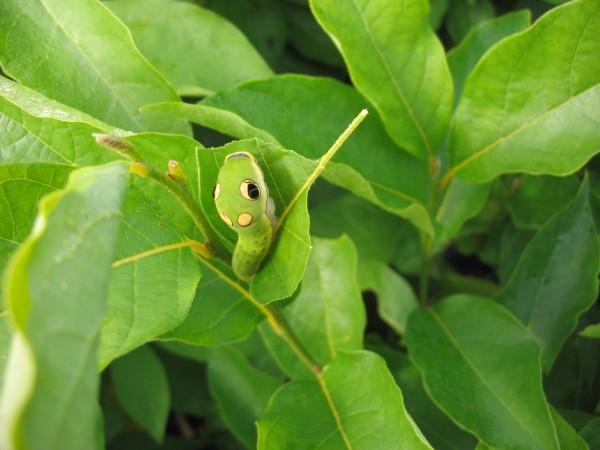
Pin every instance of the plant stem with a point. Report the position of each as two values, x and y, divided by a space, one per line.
323 161
177 188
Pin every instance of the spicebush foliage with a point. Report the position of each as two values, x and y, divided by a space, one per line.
437 288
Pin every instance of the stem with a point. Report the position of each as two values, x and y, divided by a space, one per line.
323 162
177 188
186 200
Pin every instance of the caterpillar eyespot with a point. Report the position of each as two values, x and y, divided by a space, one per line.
243 203
244 219
249 190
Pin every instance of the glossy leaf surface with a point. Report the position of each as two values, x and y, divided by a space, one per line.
555 279
512 120
54 352
356 389
397 62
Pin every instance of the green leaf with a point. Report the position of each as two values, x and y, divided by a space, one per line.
305 35
53 359
197 50
351 215
437 13
591 331
536 199
471 351
463 58
307 114
512 120
567 436
328 314
556 277
591 433
461 202
395 297
86 60
222 310
241 392
37 129
285 172
21 187
354 404
464 15
442 433
147 297
389 67
151 295
141 385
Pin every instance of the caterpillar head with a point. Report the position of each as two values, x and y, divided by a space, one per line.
240 192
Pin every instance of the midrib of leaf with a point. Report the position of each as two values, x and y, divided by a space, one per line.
473 368
395 192
397 88
334 411
489 147
116 98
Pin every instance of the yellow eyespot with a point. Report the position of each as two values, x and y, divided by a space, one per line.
244 219
226 219
217 190
249 190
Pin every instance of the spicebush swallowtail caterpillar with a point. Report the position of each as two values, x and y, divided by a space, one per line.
243 203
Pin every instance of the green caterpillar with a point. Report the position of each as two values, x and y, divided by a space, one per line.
242 199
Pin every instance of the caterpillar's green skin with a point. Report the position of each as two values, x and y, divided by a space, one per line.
240 179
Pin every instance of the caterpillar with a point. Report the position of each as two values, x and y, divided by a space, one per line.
243 203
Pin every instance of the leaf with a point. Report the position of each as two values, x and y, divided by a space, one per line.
147 297
404 74
53 358
591 433
285 172
197 50
395 297
37 129
463 58
538 198
355 404
473 352
222 311
86 60
327 315
555 278
305 35
591 331
567 436
351 215
461 202
512 120
307 114
241 392
464 15
141 385
442 433
21 187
